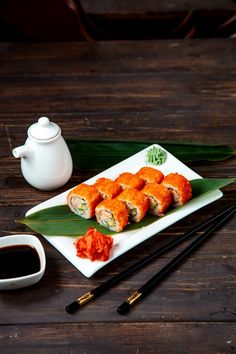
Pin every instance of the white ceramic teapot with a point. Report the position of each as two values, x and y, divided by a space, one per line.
46 161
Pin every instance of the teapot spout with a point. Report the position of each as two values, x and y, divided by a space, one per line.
20 151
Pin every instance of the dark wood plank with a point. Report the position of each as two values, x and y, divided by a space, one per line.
162 82
182 124
125 58
182 297
167 337
119 94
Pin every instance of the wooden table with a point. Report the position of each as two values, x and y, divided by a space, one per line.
158 90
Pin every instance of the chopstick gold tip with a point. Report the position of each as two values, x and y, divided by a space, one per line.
124 308
75 305
134 297
85 298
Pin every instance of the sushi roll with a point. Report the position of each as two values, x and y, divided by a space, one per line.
112 214
107 188
83 199
150 175
159 197
129 180
179 187
136 202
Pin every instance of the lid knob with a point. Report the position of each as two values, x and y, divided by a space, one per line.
44 129
43 121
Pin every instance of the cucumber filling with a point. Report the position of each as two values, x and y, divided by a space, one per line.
153 203
132 211
106 219
80 206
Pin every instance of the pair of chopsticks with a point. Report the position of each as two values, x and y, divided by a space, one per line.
215 222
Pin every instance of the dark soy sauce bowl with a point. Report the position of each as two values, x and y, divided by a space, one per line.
22 261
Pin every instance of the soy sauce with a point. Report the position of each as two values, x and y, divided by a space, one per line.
18 261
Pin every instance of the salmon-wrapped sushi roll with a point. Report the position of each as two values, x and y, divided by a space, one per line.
179 186
113 214
159 197
107 188
129 180
136 202
83 199
150 175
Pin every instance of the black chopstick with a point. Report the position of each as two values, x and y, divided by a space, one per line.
167 269
102 288
74 306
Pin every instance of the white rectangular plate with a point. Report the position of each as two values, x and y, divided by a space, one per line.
126 240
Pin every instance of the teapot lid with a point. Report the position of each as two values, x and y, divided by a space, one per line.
44 129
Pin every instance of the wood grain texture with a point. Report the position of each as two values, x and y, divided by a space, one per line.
100 338
163 90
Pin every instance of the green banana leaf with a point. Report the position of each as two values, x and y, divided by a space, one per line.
60 221
94 154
